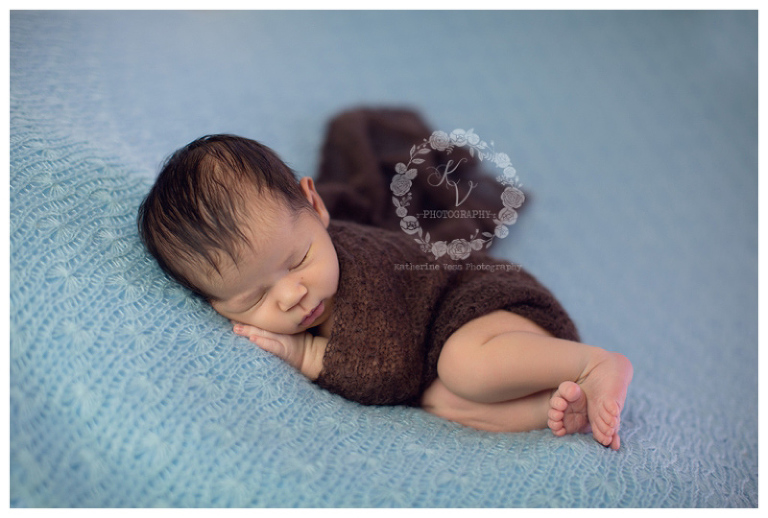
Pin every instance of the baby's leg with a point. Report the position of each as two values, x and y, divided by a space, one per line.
517 415
502 356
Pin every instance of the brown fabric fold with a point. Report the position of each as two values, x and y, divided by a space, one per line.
359 154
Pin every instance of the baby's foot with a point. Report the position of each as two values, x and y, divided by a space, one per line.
568 410
605 385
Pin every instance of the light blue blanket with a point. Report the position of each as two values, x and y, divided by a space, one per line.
635 133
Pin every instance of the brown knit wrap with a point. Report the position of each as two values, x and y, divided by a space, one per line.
359 154
391 320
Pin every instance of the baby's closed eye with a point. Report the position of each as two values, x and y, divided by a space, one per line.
302 261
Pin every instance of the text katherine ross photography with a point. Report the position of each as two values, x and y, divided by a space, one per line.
459 267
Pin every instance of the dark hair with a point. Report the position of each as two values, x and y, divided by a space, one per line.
194 209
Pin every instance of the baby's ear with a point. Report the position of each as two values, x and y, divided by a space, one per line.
314 199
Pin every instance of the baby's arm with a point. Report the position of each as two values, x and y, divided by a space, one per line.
302 351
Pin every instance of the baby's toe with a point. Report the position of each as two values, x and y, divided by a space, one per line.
557 403
555 415
604 429
602 438
559 432
570 391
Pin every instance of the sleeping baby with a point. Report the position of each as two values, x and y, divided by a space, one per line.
344 304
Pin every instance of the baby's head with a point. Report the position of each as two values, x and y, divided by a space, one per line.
226 216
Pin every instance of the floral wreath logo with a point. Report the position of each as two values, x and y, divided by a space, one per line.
511 198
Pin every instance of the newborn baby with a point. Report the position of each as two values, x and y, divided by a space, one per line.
343 303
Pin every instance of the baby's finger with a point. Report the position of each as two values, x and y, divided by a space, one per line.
247 330
271 346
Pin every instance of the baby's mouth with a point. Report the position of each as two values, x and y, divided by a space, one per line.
313 315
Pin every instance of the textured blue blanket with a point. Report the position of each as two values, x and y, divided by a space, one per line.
636 133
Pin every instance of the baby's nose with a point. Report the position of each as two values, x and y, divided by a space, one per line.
291 294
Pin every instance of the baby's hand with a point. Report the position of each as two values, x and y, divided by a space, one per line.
302 351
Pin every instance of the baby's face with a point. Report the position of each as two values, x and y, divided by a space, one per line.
287 277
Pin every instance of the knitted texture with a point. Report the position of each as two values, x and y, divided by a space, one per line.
395 309
635 131
361 149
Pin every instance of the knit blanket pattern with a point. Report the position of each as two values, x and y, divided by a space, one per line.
126 391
